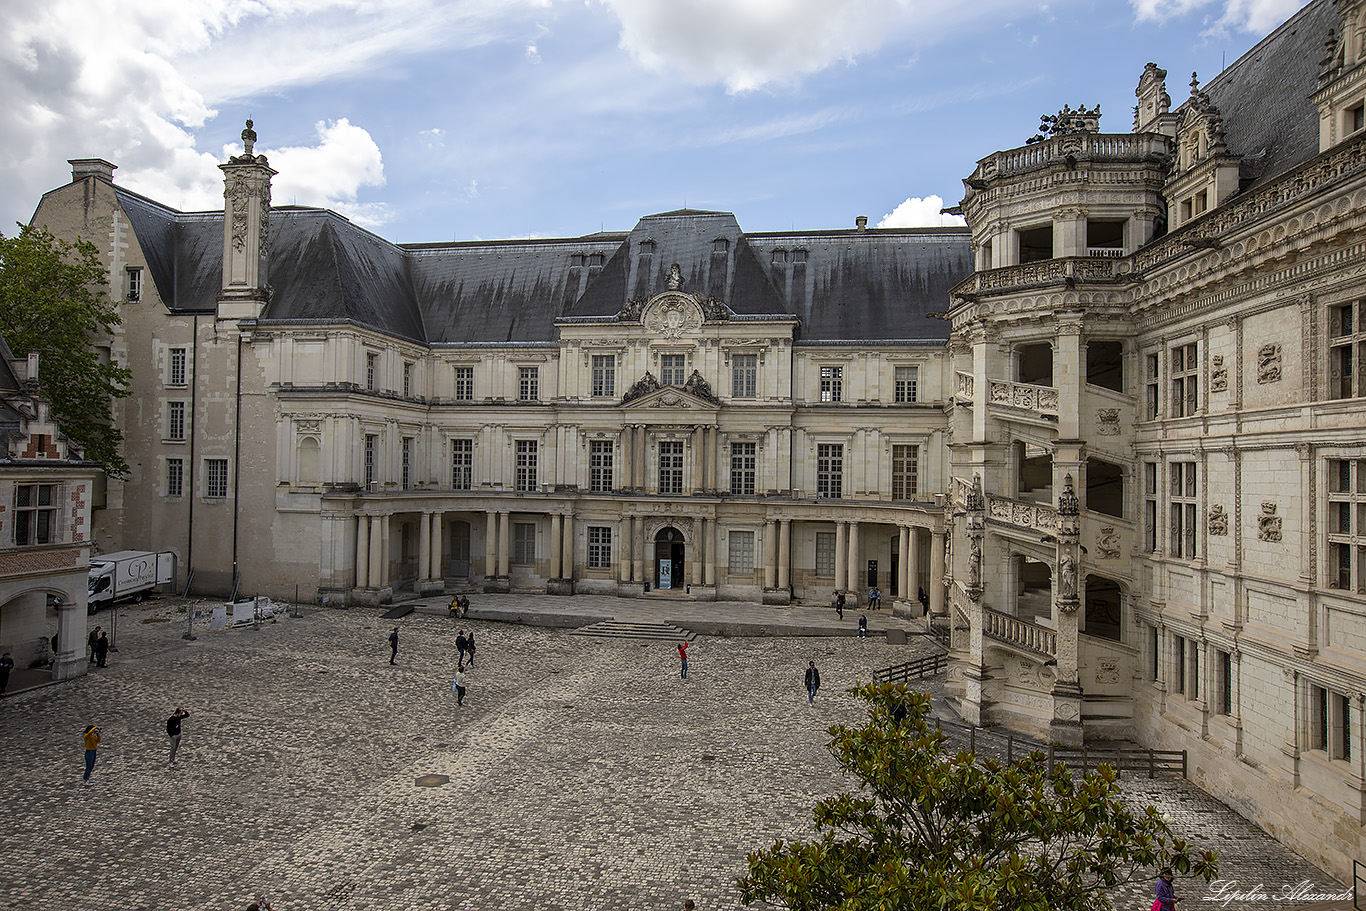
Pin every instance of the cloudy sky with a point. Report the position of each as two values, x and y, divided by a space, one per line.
430 120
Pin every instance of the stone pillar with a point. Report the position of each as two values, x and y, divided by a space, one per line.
628 455
713 456
424 548
771 555
937 570
362 551
386 555
638 550
567 553
784 553
555 546
912 568
490 545
904 580
374 579
438 570
642 483
712 552
855 576
504 543
699 458
72 631
841 558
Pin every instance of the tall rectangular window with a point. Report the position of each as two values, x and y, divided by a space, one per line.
175 420
1185 364
462 464
744 376
371 369
907 379
528 384
35 514
741 552
1179 662
600 466
175 373
215 478
407 379
134 275
526 465
1154 653
1330 722
1225 672
1347 351
175 477
604 374
1152 405
1149 507
832 384
905 469
599 547
743 461
1346 522
671 369
670 467
371 444
523 543
406 449
825 554
829 470
1183 506
464 384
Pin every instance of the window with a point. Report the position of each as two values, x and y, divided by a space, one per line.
1150 507
743 458
829 470
744 376
1347 351
825 554
1347 524
600 466
741 552
464 384
599 547
523 543
905 468
1150 373
1185 380
1225 683
671 368
1179 662
371 368
526 465
832 384
462 464
1330 722
671 467
1356 118
528 384
175 420
1154 653
371 441
35 514
175 477
1183 507
407 464
175 372
407 379
215 478
134 276
604 374
720 245
907 379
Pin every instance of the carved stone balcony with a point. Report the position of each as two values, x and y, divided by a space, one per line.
1119 147
965 387
1042 400
1020 633
1036 517
1090 269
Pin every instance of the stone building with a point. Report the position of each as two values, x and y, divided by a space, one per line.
1111 430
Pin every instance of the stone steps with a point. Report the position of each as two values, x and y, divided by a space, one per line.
623 629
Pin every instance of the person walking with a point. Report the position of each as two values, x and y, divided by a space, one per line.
92 641
92 746
102 650
1164 892
6 665
462 645
469 647
813 682
393 645
683 658
863 626
173 730
839 604
459 685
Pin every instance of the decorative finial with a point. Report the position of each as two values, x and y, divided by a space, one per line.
1068 504
248 138
1195 83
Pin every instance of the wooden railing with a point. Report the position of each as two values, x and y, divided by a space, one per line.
1013 630
920 668
1121 759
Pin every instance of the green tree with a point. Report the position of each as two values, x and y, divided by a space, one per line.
934 831
53 301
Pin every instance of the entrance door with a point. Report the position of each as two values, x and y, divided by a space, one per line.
668 559
460 550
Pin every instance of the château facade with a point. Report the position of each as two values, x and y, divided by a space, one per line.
1112 430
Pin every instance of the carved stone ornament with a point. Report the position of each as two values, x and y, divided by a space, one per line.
1107 547
1107 422
975 571
1067 581
1107 670
675 279
1218 521
672 315
308 426
1268 523
641 388
1218 377
699 387
1068 504
1269 363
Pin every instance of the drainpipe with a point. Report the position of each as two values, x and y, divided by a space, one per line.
194 399
237 459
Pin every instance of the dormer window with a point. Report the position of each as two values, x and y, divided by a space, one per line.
576 260
1356 118
647 247
595 259
134 282
779 257
799 256
720 245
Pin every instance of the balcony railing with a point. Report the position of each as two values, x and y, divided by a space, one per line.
1042 400
1005 628
1092 269
1113 252
1079 146
965 386
1038 517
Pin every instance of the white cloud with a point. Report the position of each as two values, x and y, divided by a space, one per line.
1256 16
331 173
920 212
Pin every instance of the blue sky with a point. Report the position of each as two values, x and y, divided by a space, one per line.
431 121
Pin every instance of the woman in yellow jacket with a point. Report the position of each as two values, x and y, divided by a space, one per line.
92 745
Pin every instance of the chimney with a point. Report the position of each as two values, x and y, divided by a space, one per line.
81 168
862 223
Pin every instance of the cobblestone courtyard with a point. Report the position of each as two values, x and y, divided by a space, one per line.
583 773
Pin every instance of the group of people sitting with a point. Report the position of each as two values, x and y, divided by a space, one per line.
460 606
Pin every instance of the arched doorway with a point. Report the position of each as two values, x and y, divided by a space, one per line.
669 558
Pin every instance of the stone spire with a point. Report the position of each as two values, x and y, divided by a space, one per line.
246 229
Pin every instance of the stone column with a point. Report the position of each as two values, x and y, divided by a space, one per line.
699 458
362 551
912 568
905 581
937 606
490 545
71 637
424 548
701 554
382 580
504 543
713 457
771 554
641 474
567 552
711 553
784 553
438 570
638 549
855 576
841 552
374 579
555 545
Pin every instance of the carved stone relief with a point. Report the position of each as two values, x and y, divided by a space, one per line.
1107 547
1218 521
1107 422
1107 670
672 315
1218 377
1268 523
1269 363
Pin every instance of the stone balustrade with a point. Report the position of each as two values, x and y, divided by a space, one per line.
1078 146
1039 517
965 386
1005 628
1093 269
1042 400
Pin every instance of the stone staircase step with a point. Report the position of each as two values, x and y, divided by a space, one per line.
621 629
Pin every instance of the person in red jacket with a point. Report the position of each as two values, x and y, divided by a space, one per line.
683 658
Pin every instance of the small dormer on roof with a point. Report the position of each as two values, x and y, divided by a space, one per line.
1205 172
1153 113
1341 96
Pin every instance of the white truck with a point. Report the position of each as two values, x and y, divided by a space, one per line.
127 574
